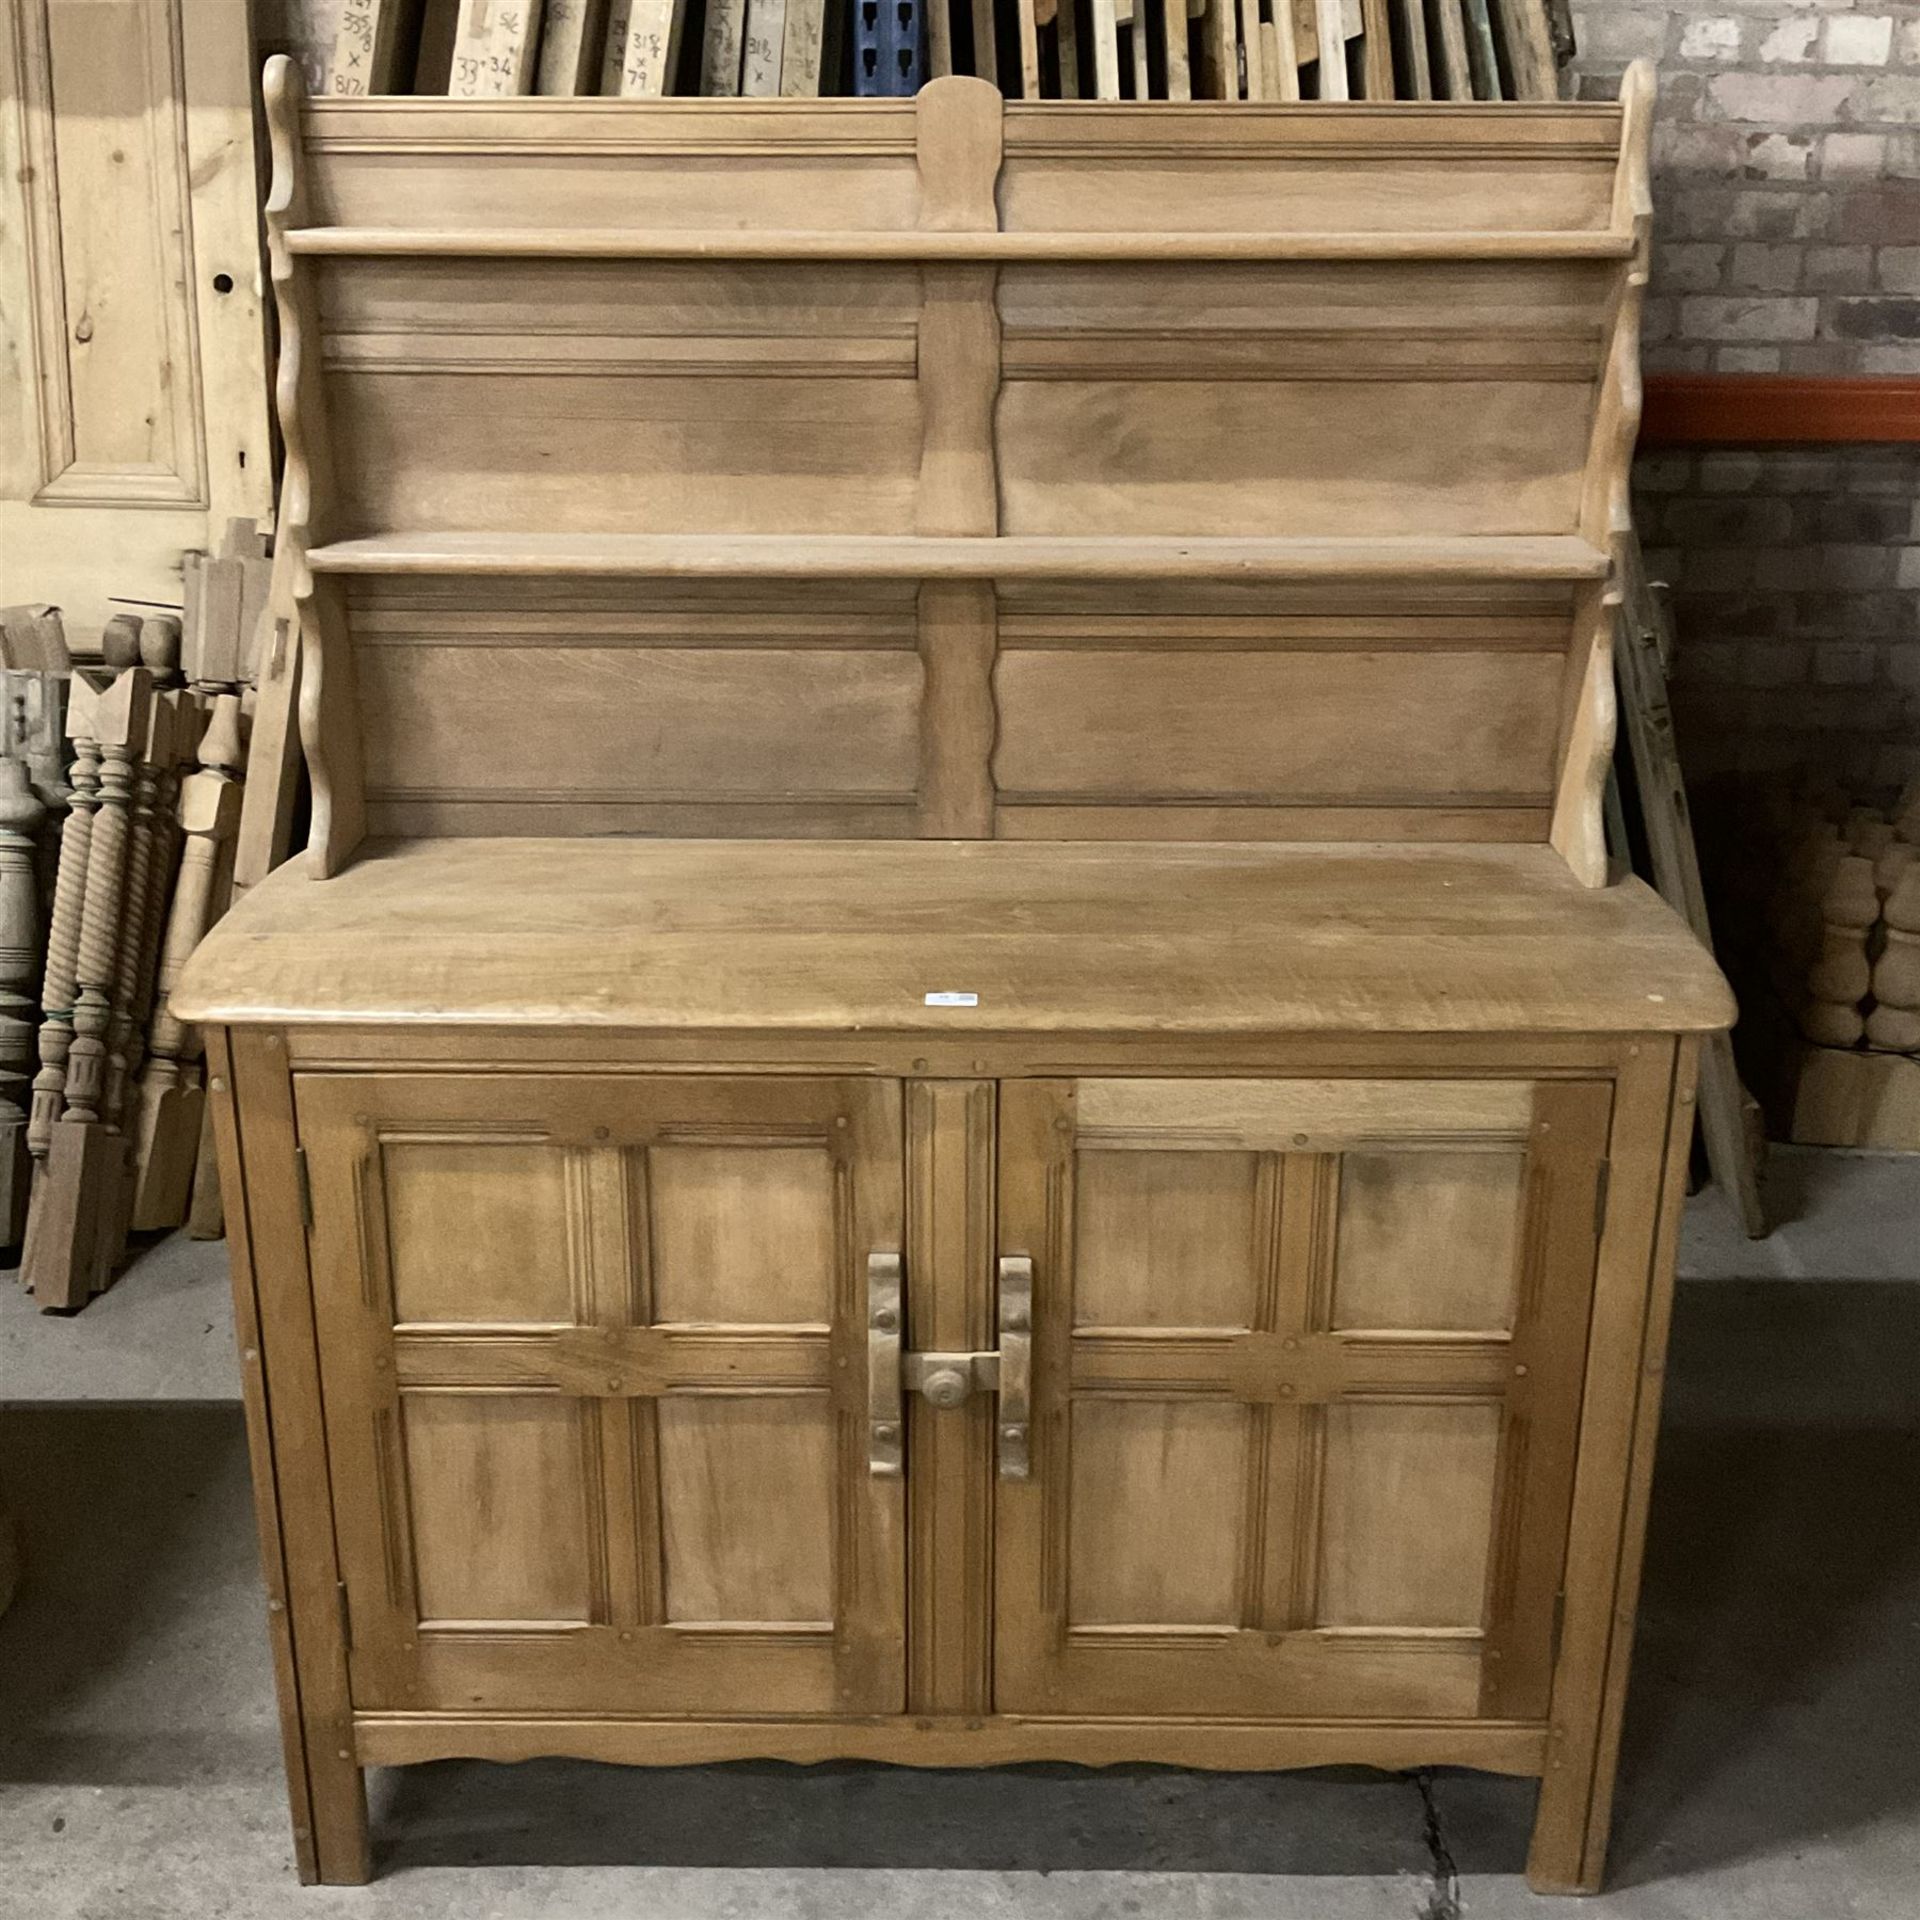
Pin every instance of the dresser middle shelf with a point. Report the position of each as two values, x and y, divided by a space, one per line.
1518 557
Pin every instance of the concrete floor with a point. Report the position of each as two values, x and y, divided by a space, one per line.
1773 1759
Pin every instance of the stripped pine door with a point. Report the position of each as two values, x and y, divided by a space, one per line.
593 1353
133 349
1307 1362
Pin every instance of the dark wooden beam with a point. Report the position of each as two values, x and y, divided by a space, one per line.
1761 409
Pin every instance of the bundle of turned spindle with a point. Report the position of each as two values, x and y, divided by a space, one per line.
111 1145
1848 910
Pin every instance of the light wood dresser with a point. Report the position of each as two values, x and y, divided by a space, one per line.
953 1077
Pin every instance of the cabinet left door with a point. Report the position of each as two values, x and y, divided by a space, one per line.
593 1358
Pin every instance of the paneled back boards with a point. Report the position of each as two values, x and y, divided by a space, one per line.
956 468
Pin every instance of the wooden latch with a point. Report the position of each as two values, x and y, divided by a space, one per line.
947 1379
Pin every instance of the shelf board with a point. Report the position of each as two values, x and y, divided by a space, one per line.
921 557
703 243
846 937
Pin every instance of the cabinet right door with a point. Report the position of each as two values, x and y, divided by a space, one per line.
1307 1367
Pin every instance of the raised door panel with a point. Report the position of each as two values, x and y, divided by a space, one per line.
591 1352
1308 1358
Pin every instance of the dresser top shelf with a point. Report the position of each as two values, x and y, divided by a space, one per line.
840 936
749 243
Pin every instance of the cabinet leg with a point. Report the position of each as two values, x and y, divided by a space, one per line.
337 1850
1568 1852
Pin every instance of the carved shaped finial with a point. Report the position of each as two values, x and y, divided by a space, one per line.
160 646
120 641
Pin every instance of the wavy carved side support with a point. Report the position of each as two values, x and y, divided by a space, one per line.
327 705
1606 512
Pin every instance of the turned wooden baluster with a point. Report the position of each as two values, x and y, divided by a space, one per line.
168 1132
173 725
189 723
69 1239
138 889
63 934
20 812
100 920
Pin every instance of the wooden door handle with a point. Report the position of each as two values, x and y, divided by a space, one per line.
883 1365
1016 1365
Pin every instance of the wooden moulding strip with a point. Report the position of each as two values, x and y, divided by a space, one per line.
400 1739
632 243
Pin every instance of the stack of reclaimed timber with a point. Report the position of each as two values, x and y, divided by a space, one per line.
1031 49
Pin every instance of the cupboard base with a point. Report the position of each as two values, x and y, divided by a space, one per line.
341 1853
